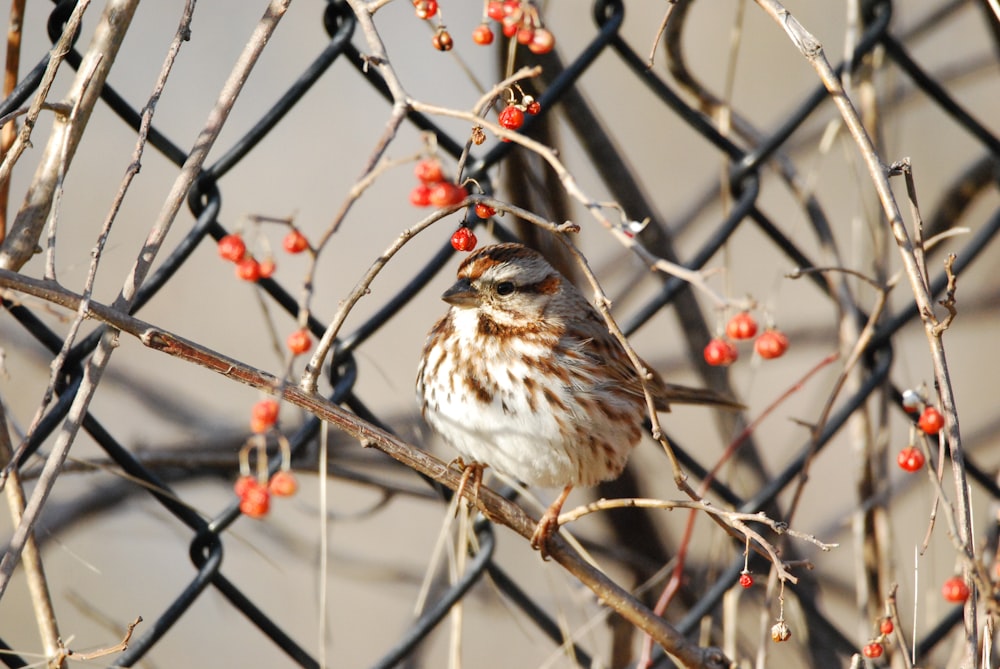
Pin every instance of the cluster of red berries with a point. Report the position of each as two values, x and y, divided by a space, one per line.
234 249
519 20
954 590
464 239
255 495
721 351
874 649
255 491
434 190
929 422
512 116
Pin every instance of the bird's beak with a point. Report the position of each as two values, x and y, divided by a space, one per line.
462 294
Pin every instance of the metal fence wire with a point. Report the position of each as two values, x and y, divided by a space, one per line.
763 213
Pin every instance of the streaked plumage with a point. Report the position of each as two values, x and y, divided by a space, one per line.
523 375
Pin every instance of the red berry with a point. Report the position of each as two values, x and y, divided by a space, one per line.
283 484
512 8
266 268
482 35
525 35
746 580
872 650
248 269
771 344
494 10
264 413
484 210
243 484
533 107
299 342
886 627
511 118
420 196
741 326
955 590
931 421
232 248
510 26
442 40
720 353
429 171
295 242
255 500
445 194
463 239
910 459
542 42
425 9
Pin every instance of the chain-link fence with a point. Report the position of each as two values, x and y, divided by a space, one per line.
722 137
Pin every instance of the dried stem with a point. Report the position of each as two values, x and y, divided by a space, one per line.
659 33
897 628
38 588
120 647
735 519
67 131
10 76
23 140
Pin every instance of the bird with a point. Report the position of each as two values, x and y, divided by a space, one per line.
522 374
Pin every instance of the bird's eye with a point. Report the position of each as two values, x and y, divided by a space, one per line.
505 288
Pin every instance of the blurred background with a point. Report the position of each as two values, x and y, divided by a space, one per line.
112 552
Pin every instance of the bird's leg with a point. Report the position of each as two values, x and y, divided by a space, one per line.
549 524
473 471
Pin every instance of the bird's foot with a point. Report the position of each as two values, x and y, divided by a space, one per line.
471 472
548 525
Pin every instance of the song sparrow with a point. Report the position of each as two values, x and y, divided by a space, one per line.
523 375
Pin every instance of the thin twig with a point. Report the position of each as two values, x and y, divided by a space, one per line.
949 297
34 571
10 77
120 647
893 614
779 527
659 33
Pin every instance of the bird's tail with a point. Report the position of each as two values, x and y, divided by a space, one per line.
675 394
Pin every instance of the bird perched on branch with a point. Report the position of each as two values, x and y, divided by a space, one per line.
523 375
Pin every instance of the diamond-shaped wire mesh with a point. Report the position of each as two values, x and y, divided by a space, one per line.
732 148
